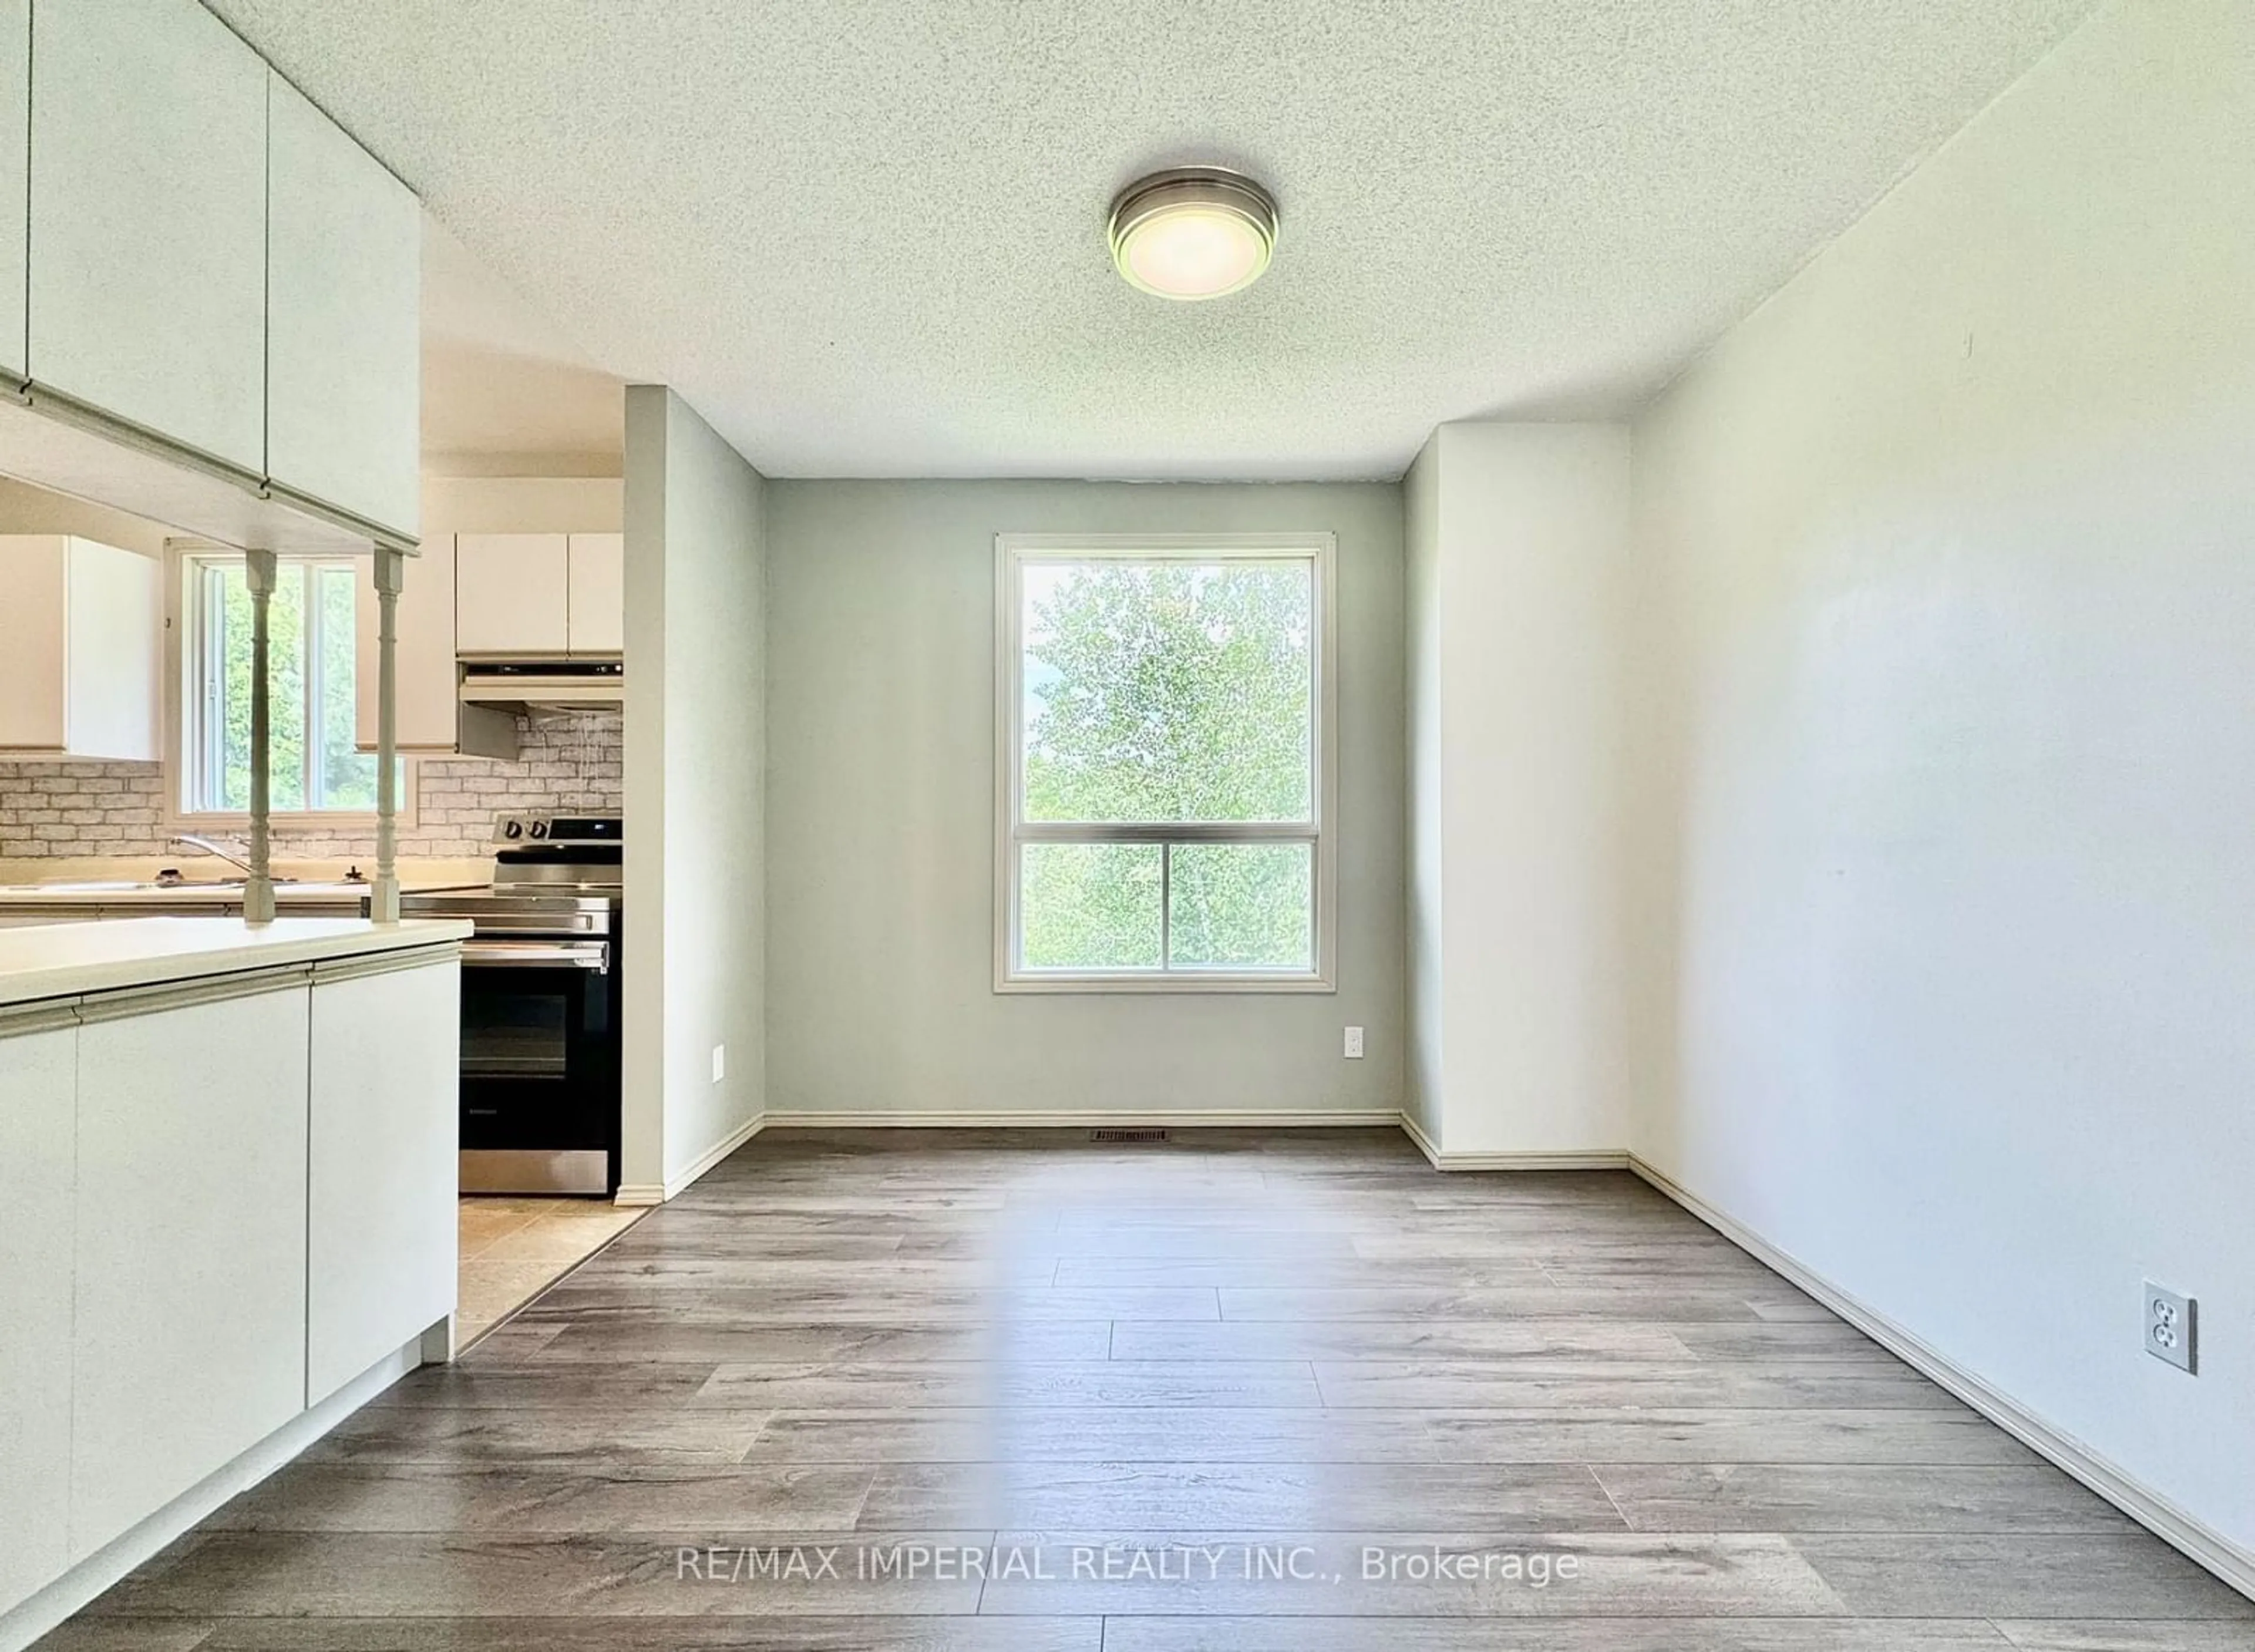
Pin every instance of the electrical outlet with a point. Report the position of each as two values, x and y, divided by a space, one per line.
2172 1328
719 1062
1354 1044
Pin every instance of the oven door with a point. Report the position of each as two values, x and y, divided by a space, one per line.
539 1065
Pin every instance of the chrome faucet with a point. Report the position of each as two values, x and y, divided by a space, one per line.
189 841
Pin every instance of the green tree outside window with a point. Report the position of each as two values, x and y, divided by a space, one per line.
1156 694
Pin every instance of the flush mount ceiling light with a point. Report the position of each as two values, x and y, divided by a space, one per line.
1194 232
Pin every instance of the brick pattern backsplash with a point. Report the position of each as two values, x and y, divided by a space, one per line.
569 762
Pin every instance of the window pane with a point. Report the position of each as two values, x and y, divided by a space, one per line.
345 778
1241 906
1169 691
310 637
286 679
1089 905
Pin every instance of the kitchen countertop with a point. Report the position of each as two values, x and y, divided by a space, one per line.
69 961
128 882
108 892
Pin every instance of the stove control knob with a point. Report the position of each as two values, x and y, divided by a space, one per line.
513 829
540 828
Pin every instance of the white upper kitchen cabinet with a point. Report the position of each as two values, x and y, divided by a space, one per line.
81 642
15 180
545 594
343 361
512 594
595 620
148 215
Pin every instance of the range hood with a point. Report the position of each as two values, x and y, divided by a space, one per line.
543 684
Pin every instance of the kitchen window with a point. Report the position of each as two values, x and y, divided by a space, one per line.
315 770
1164 759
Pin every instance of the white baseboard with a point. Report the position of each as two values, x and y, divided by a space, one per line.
636 1194
34 1616
713 1155
1576 1159
1146 1118
2183 1531
1093 1119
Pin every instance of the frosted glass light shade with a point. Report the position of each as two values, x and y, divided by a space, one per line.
1197 232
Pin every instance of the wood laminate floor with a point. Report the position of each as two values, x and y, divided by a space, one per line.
993 1392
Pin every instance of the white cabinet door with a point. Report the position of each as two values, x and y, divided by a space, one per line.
512 594
39 1078
15 180
148 213
381 1242
598 617
189 1345
34 642
426 651
81 635
344 326
116 637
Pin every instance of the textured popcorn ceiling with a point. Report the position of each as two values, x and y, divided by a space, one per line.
867 239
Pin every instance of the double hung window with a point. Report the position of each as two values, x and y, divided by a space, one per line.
1164 733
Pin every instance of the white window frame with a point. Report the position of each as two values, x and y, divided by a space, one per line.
1012 831
184 679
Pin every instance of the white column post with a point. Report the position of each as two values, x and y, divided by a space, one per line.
390 571
259 570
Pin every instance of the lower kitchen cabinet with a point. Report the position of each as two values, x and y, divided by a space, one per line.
381 1173
39 1076
189 1345
224 1200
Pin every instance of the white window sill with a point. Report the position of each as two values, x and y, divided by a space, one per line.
281 821
1157 981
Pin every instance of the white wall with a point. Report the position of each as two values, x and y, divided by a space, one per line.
696 750
1949 844
882 819
522 504
1519 543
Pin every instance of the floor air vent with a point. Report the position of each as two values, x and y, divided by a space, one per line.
1127 1135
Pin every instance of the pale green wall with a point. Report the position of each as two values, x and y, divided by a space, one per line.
695 786
1422 790
881 727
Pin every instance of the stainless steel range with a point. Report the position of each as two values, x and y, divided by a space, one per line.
540 1006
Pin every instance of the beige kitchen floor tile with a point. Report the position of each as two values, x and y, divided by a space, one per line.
513 1248
484 1219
